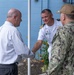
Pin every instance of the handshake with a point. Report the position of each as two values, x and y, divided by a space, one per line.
26 54
29 55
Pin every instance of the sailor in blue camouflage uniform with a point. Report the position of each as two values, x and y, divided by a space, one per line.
62 53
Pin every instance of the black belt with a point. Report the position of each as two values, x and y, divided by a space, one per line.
8 65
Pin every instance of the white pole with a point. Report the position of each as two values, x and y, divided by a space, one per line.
29 35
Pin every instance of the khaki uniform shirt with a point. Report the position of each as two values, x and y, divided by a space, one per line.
62 53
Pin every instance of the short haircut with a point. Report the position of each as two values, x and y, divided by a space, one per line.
43 11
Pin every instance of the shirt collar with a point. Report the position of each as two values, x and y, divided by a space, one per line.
8 23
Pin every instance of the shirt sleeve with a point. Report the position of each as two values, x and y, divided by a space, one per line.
19 46
58 52
41 34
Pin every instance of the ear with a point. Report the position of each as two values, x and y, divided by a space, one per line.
63 16
15 17
51 15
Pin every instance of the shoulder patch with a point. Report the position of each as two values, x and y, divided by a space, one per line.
42 26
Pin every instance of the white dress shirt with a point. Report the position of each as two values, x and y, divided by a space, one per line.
48 32
11 44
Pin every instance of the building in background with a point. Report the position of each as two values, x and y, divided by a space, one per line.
36 7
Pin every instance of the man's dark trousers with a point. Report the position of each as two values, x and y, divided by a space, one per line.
8 69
